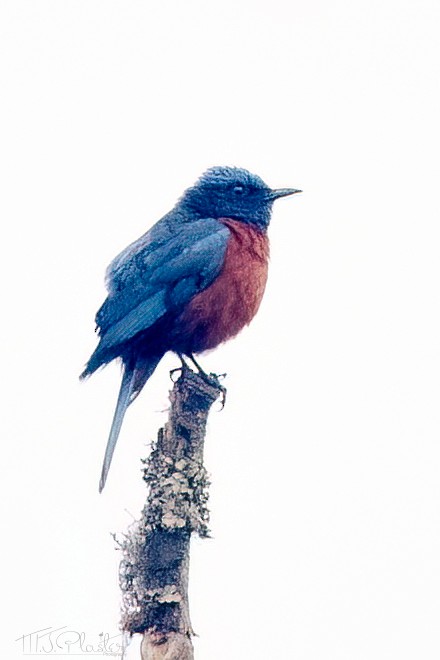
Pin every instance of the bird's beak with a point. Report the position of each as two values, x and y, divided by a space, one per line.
283 192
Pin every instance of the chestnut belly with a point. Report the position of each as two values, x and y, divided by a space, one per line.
232 300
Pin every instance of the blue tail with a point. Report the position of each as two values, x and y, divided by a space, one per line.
121 406
133 380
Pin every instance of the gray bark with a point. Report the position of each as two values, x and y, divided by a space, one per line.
155 565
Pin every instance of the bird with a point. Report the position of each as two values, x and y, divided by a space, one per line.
191 282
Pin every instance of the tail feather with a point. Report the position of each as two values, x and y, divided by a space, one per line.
122 404
98 359
144 369
133 380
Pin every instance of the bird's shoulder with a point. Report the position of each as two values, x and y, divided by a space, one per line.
172 238
171 262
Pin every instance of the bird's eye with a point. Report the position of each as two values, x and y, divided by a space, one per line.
239 190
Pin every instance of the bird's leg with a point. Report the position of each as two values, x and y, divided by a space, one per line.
201 371
185 365
211 379
181 369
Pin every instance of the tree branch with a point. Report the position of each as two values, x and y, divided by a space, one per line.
155 564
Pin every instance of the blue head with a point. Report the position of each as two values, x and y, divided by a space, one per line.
231 192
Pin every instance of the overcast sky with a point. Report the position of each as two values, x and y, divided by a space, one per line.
325 462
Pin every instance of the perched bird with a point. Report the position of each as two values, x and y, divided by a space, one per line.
194 280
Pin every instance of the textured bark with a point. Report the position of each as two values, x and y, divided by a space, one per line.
155 565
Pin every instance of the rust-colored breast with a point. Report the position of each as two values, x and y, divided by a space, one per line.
224 308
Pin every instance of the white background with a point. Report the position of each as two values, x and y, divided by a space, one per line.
325 462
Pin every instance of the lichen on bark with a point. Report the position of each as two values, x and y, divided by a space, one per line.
155 551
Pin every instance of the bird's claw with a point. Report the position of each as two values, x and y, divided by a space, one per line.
211 379
223 391
173 371
214 380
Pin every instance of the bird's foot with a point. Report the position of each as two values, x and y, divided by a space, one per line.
222 389
178 370
212 379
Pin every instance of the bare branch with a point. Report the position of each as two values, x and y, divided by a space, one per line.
155 564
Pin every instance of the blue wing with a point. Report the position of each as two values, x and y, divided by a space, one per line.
157 274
